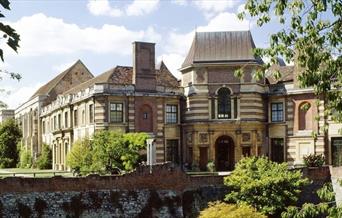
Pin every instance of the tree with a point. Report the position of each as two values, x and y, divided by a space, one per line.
10 135
116 150
223 210
107 151
44 160
265 185
311 38
12 40
80 156
327 207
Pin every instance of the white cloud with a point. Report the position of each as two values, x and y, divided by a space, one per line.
140 7
42 35
178 44
241 8
226 22
135 8
18 96
63 66
173 62
212 7
179 2
102 7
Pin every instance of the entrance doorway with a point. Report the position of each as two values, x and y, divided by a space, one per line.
224 153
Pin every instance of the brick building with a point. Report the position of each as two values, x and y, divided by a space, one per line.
211 115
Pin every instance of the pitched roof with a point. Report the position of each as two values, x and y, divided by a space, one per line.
286 73
122 75
45 89
217 47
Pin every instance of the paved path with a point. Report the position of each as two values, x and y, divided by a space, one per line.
16 174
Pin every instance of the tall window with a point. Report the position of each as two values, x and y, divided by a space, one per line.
66 120
54 122
171 113
223 104
305 116
172 151
83 117
116 112
277 112
75 118
59 121
277 150
43 127
91 113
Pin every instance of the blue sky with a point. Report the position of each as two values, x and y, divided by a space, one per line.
56 33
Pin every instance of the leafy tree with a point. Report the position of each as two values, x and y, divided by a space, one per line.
25 159
80 156
44 160
223 210
327 207
12 40
265 185
311 38
107 151
116 150
10 135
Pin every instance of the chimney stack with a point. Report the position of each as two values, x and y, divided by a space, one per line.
144 73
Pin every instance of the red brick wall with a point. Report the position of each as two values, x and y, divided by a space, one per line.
163 177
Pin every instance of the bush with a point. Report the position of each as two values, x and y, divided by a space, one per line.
314 160
265 185
44 160
10 135
222 210
80 156
25 158
211 166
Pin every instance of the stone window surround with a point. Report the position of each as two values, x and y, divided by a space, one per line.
123 111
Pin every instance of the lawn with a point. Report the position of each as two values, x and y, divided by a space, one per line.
8 172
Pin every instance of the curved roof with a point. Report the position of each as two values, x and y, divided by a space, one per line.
221 47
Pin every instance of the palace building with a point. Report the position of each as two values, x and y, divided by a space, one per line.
210 115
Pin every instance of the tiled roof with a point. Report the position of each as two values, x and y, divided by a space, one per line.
285 71
122 75
45 89
218 47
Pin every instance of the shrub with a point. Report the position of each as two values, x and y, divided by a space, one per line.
44 160
265 185
25 158
314 160
211 166
222 210
80 156
10 135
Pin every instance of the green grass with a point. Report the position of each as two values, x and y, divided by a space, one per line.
8 172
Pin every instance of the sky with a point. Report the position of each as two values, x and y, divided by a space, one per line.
56 33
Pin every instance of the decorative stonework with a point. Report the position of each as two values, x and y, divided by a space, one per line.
246 137
203 138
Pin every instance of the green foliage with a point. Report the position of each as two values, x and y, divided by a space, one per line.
25 159
80 156
44 160
211 166
107 151
116 150
222 210
310 36
12 39
326 208
314 160
265 185
10 135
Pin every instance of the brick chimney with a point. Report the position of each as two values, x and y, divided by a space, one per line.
144 73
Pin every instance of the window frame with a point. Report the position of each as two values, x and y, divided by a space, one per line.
171 116
91 113
277 112
116 111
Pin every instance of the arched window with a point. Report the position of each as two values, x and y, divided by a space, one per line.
223 103
305 116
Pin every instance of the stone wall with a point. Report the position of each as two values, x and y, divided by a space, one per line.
336 178
167 192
